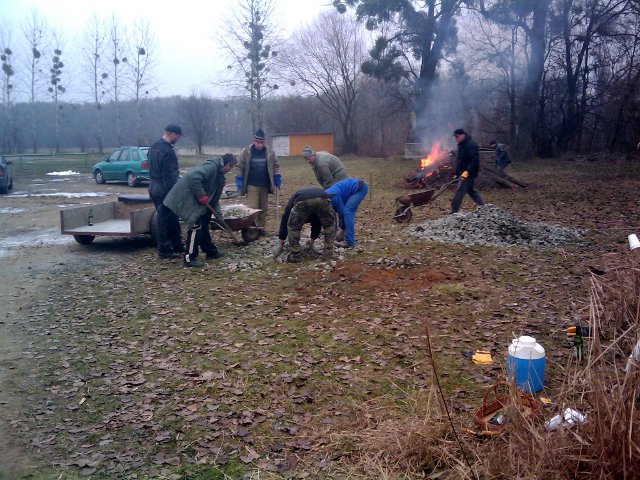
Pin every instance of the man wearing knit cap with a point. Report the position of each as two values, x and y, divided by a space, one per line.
191 199
258 175
163 174
327 168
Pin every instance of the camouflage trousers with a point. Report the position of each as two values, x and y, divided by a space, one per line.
300 214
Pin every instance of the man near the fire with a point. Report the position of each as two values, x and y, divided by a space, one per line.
467 169
327 168
502 155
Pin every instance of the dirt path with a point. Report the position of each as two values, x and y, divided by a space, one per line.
32 253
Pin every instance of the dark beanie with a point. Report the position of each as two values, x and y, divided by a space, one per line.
259 135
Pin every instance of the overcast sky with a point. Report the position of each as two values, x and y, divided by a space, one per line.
186 55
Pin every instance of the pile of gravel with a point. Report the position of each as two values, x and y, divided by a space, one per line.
492 226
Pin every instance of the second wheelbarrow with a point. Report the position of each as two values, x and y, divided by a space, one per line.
405 203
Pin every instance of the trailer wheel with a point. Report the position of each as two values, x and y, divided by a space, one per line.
403 217
153 228
84 239
250 234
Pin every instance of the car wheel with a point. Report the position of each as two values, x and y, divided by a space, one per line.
132 181
99 177
10 186
84 239
3 189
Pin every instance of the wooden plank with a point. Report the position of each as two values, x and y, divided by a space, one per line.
141 220
72 218
115 227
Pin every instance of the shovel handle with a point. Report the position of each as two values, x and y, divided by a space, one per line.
222 223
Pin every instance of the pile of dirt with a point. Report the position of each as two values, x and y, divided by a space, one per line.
492 226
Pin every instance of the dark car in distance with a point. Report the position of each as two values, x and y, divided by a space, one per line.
124 164
6 180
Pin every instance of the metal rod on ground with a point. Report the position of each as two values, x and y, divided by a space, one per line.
277 208
222 223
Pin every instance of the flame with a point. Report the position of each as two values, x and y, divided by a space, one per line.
434 155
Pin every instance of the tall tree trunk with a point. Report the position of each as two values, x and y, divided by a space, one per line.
527 138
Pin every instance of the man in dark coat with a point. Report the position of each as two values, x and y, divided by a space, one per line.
163 174
307 205
192 199
466 170
502 155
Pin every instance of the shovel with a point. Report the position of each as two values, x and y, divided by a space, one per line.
223 225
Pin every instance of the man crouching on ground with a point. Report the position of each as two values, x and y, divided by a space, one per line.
307 205
192 197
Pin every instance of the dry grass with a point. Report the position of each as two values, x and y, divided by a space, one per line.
608 444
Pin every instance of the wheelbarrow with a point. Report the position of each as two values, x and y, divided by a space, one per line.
245 225
405 203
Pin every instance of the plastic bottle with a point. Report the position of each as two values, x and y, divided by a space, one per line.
526 361
634 357
90 219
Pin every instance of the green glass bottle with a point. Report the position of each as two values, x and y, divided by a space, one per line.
578 344
90 219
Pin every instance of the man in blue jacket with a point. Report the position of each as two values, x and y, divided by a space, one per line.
191 199
346 196
467 170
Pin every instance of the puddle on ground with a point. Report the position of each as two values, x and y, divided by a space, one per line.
57 194
33 239
11 210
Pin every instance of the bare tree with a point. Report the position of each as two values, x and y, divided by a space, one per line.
531 18
414 37
117 49
34 30
140 67
94 64
197 112
6 57
56 88
327 65
250 43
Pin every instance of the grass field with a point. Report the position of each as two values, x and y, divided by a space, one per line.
316 370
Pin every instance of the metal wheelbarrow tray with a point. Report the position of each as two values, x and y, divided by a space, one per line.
405 203
246 225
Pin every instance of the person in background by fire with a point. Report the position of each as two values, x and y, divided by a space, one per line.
192 199
327 168
346 196
502 155
258 175
467 168
163 175
307 205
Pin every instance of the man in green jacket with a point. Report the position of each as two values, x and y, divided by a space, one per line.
191 199
327 168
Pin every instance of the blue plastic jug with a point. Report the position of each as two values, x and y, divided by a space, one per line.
525 364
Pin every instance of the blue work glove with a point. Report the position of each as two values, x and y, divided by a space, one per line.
277 179
239 183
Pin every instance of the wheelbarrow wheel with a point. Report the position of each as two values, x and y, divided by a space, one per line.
403 215
250 234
